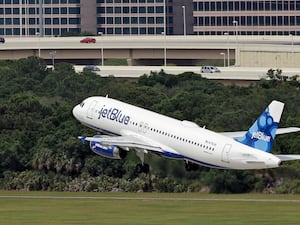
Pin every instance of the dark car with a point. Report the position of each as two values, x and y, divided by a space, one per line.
91 68
88 40
2 40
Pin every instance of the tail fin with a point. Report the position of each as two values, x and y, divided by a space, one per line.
262 133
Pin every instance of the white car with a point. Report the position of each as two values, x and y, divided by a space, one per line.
209 69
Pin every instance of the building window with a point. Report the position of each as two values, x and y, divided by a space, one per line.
31 20
63 10
55 21
134 20
142 30
134 30
8 21
142 20
74 20
100 20
150 30
16 21
150 9
100 10
159 30
125 9
159 9
117 20
126 30
117 9
47 21
63 21
110 31
159 20
7 11
74 10
142 9
133 9
16 31
55 10
151 20
109 20
16 11
47 10
118 30
126 20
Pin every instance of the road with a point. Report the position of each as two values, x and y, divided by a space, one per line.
227 73
150 42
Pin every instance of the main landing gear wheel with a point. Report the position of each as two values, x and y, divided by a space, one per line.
189 166
142 168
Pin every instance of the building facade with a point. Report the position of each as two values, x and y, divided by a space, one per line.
149 17
47 17
261 17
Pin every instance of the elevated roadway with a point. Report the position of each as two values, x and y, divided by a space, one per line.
228 75
244 51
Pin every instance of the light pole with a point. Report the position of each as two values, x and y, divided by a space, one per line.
228 57
292 38
292 43
184 20
165 49
102 57
52 55
39 46
236 23
223 54
236 40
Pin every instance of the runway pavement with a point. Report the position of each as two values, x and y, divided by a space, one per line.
150 198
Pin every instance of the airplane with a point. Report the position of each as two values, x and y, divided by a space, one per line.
124 127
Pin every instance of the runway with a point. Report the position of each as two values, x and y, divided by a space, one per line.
117 198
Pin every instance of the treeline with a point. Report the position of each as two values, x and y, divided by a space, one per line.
39 149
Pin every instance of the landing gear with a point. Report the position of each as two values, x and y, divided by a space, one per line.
142 168
189 166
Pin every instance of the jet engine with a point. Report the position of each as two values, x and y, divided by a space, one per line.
108 151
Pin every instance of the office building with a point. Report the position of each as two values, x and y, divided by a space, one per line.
216 17
149 17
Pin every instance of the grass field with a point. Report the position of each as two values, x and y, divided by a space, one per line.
145 208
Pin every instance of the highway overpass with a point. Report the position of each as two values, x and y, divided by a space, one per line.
244 51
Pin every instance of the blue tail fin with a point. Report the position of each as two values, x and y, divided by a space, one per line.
262 133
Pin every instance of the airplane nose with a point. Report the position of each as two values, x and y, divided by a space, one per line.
76 113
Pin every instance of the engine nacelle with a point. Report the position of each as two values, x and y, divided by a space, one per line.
108 151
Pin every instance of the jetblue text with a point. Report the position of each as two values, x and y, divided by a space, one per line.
114 114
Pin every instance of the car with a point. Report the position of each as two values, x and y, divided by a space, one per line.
91 68
209 69
88 40
2 40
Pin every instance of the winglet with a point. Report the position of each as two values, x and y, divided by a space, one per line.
82 138
262 133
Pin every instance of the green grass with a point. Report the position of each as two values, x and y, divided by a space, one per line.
131 209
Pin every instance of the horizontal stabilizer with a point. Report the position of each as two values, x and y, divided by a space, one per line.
238 134
288 157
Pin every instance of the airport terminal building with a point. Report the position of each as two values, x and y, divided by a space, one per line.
149 17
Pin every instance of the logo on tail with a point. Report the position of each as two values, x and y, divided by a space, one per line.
262 133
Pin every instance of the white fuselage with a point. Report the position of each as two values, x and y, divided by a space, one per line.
193 143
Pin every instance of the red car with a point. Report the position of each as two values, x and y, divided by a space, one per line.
88 40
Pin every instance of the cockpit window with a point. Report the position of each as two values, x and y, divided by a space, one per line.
81 104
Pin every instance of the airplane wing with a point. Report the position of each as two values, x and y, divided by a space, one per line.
128 141
238 134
